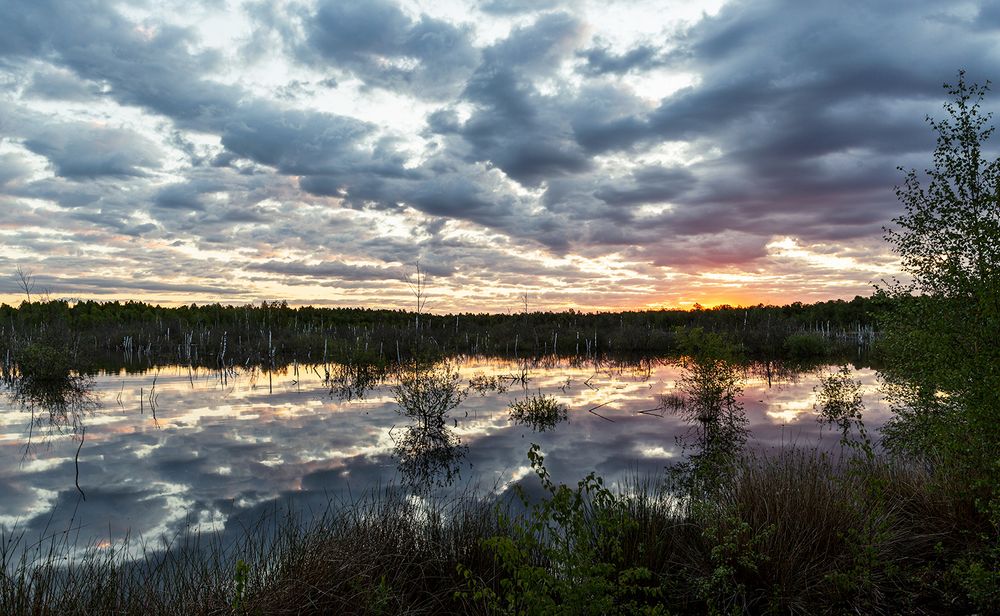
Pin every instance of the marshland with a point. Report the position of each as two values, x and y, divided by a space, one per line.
269 459
241 457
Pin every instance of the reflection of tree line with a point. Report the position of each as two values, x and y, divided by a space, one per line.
428 390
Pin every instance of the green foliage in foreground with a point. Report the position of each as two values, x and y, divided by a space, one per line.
566 555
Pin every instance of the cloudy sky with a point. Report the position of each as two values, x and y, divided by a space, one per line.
594 154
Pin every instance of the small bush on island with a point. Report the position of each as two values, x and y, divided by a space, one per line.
45 384
540 412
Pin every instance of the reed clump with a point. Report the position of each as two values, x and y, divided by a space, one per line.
538 411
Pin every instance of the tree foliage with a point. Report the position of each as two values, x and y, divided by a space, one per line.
947 237
941 337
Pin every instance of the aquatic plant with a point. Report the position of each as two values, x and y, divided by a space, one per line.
540 412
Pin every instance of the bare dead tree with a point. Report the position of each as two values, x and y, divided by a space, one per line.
418 286
25 280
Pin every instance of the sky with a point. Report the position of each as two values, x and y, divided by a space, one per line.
593 155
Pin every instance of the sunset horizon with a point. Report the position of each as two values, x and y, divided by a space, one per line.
436 305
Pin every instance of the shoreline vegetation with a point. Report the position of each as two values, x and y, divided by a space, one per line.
797 532
903 522
274 334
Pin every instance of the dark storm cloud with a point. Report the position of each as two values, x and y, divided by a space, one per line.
457 195
155 68
179 197
540 46
294 142
515 127
512 7
648 185
78 151
57 84
809 108
385 47
604 118
81 150
600 60
152 68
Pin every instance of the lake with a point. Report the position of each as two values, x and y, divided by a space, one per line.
174 448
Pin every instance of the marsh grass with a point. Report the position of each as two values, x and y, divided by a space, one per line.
385 554
797 532
540 412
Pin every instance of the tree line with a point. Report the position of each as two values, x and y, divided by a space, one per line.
262 331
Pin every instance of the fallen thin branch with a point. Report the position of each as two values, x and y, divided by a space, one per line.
76 461
655 411
591 411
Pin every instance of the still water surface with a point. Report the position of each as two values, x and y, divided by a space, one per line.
214 451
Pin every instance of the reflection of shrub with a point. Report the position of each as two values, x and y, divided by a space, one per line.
709 391
540 412
805 346
427 452
428 455
44 380
44 385
428 392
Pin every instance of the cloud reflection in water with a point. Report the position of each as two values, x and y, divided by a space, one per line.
218 452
